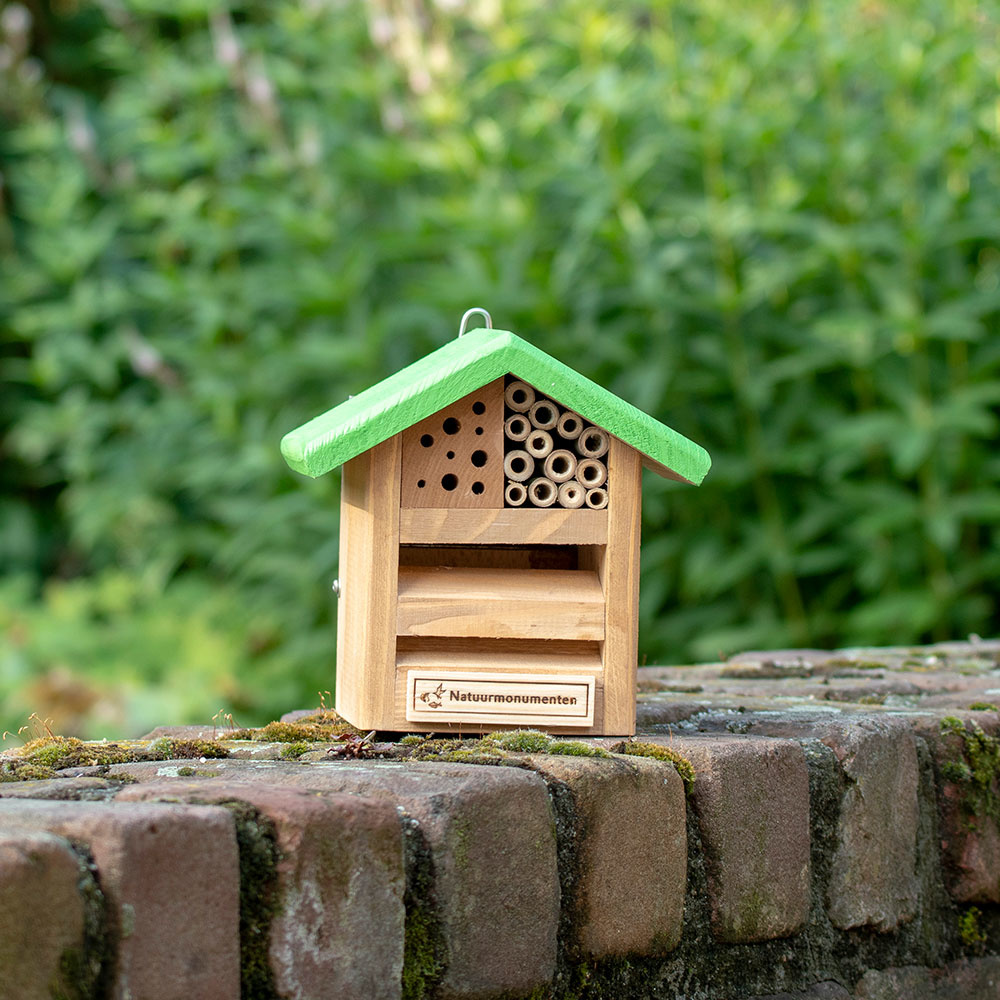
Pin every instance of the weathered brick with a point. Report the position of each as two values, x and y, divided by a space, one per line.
751 796
490 834
631 852
873 879
975 979
68 789
42 918
970 838
338 928
170 875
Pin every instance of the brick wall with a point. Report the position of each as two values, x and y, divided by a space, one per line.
829 847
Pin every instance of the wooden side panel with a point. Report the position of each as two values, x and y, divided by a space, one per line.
366 614
454 458
513 526
620 579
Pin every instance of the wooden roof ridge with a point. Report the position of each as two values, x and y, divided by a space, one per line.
464 365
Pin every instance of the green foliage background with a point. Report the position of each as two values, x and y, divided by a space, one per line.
774 226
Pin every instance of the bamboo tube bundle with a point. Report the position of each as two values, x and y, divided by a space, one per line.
592 443
571 494
569 426
544 414
552 456
591 473
597 499
560 465
518 466
542 492
515 494
517 427
539 443
519 396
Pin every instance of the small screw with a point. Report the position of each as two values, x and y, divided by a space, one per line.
335 587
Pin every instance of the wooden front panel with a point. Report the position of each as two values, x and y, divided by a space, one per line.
515 698
532 661
455 457
500 603
511 526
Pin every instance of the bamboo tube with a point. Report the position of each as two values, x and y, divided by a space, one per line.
591 473
560 465
569 426
518 465
571 495
515 494
517 427
539 443
519 396
542 492
597 499
592 443
544 414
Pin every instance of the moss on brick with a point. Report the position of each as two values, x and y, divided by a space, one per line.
636 748
299 732
259 899
424 950
574 748
292 751
976 771
41 758
519 740
970 929
495 748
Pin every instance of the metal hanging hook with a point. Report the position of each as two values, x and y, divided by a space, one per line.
472 312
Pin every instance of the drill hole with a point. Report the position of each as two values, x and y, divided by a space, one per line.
449 482
451 454
451 426
421 483
478 488
478 460
478 409
479 430
427 440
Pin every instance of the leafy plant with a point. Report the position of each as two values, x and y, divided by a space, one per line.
777 229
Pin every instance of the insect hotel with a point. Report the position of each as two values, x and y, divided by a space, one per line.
489 541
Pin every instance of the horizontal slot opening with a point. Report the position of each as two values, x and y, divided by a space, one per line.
528 557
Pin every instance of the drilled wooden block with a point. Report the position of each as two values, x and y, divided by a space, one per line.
455 457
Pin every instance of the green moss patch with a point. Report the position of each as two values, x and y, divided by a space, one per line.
41 758
303 732
976 771
636 748
259 903
496 748
970 929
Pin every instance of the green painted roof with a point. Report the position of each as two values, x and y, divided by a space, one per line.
463 365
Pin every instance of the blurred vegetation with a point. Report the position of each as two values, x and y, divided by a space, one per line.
774 226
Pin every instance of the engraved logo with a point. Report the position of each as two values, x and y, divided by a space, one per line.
433 698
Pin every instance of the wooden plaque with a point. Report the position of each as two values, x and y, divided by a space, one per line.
510 699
